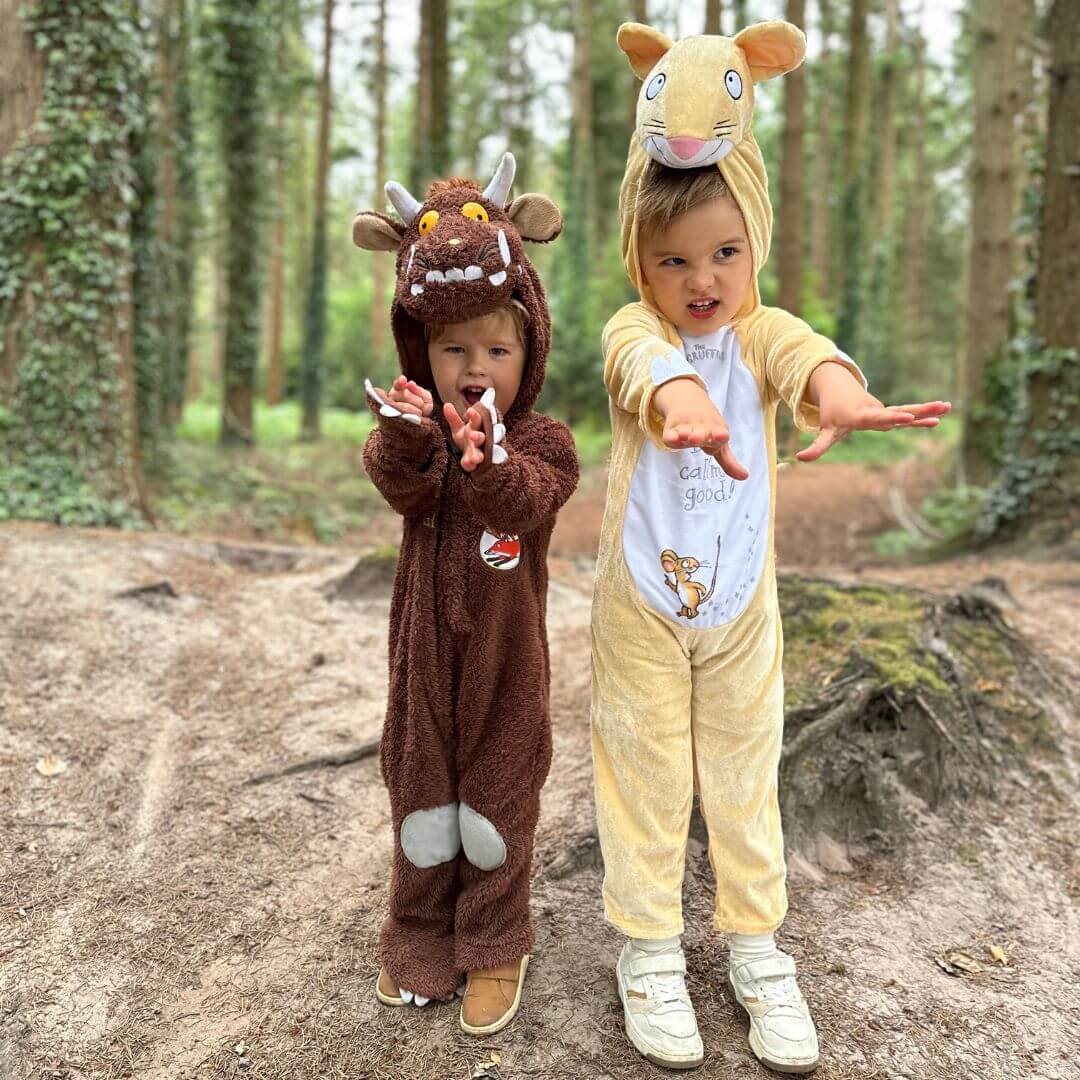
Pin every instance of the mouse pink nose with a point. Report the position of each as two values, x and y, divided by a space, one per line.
685 146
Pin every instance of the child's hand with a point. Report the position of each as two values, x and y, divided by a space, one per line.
410 397
691 419
467 435
846 407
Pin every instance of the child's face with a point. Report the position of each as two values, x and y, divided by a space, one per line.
700 266
469 357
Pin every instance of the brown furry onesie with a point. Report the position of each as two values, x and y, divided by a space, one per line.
467 740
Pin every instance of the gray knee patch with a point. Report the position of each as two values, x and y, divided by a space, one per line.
483 845
430 837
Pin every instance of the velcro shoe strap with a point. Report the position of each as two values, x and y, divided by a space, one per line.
770 967
661 964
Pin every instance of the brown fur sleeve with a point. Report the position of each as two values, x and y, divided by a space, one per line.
406 462
538 476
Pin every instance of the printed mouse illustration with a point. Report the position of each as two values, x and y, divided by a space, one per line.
697 95
691 593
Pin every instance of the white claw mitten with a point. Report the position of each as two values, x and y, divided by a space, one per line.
493 427
385 407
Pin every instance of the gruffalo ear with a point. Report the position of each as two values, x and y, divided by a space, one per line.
535 217
373 231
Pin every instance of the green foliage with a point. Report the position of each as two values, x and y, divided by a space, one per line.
1041 438
950 514
275 425
67 190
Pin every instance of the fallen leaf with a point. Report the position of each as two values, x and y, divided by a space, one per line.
51 766
496 1058
964 962
240 1048
1000 955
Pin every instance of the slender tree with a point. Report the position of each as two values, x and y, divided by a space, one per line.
791 177
821 215
886 156
315 322
377 320
713 15
993 195
240 104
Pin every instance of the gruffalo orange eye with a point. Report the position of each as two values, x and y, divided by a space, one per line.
474 212
428 222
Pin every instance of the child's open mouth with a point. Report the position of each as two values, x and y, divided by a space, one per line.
703 309
472 394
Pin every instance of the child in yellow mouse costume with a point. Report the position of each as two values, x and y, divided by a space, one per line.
686 636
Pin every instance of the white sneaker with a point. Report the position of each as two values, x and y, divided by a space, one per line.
782 1032
659 1015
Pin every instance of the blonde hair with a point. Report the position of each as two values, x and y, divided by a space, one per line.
666 194
514 308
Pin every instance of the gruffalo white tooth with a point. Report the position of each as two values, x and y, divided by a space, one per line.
473 273
435 275
417 290
504 248
497 279
454 274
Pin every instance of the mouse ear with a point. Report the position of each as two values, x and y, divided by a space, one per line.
772 48
535 217
643 46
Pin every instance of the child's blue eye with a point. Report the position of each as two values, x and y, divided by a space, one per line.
498 350
672 260
727 252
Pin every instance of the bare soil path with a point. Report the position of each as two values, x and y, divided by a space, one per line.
160 918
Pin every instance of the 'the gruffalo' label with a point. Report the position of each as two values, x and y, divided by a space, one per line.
501 551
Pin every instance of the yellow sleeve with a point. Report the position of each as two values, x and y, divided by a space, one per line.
787 351
638 358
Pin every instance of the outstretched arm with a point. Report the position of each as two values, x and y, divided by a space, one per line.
845 406
539 474
406 458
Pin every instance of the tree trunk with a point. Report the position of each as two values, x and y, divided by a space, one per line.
886 164
440 89
69 446
315 323
276 314
713 15
378 320
791 177
420 172
239 87
990 263
853 256
22 77
913 305
1050 447
820 231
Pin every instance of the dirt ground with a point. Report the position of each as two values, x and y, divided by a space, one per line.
160 918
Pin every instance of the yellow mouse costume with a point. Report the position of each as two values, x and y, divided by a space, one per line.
686 637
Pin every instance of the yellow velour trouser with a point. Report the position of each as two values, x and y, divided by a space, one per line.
671 706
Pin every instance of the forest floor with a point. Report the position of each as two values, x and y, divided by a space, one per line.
160 918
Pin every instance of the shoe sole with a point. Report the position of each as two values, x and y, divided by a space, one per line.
385 999
507 1016
791 1068
644 1049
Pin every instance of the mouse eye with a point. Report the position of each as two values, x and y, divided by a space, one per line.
733 82
656 84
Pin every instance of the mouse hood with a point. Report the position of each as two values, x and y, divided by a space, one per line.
695 109
461 255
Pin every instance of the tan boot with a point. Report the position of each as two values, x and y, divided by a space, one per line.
492 997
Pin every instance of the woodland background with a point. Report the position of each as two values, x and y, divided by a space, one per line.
177 179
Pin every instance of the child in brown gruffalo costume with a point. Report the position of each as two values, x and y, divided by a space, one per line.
478 477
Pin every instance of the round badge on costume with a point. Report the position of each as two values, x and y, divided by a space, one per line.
502 551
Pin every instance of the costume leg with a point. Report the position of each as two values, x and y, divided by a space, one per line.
738 710
504 751
417 941
642 763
